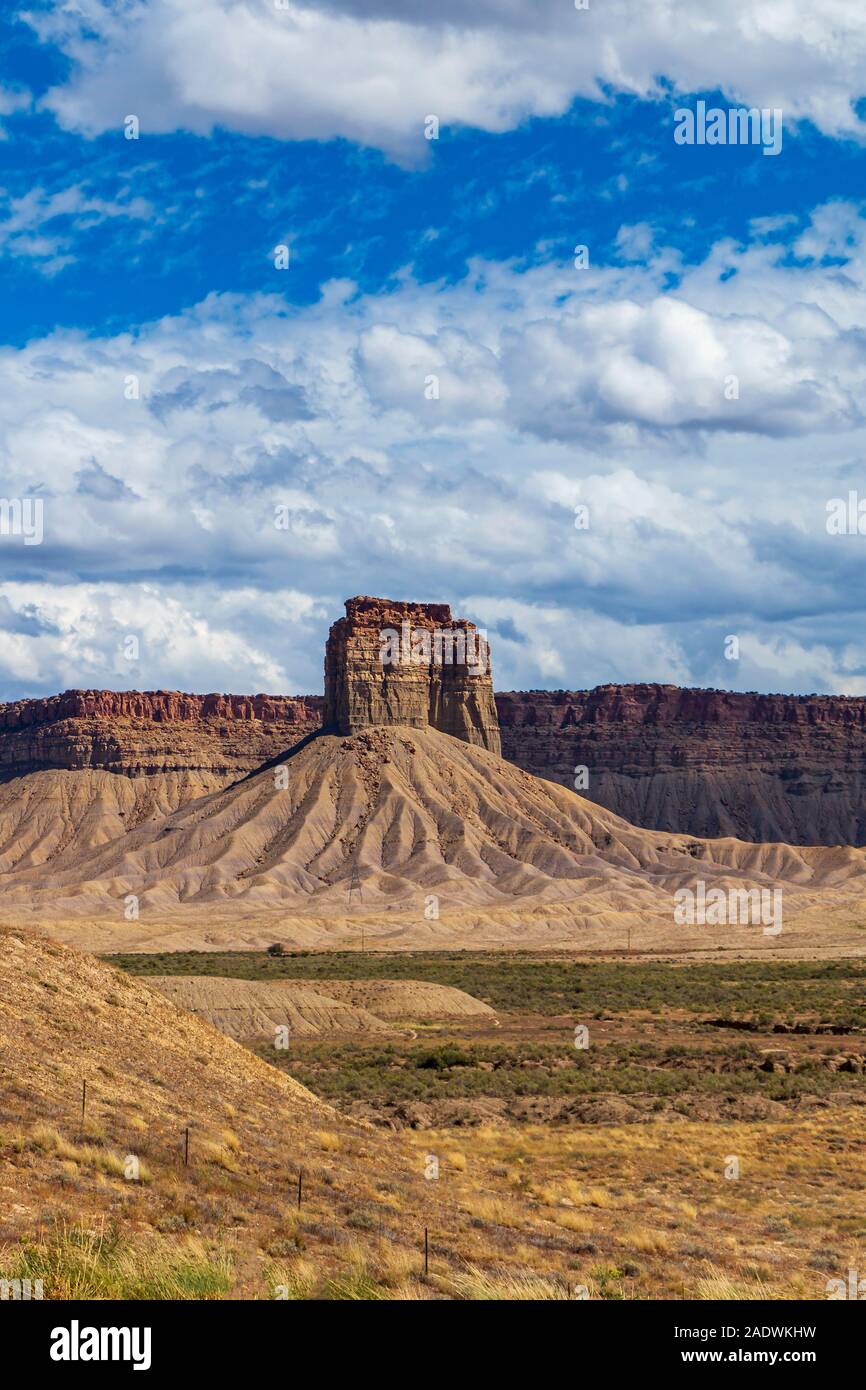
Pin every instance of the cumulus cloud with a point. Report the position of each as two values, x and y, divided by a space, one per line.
95 482
372 70
77 636
250 383
449 367
273 461
667 364
565 648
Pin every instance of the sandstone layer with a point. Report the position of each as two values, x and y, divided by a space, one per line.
418 840
707 762
412 664
711 762
142 734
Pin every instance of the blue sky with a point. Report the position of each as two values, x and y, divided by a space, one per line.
304 389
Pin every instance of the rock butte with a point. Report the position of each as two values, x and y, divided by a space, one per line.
706 762
398 800
440 691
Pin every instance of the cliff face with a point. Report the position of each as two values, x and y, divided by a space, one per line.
710 762
706 762
409 663
143 733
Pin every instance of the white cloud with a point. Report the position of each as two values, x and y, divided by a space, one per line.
666 364
565 647
78 635
455 376
793 664
373 71
558 387
22 220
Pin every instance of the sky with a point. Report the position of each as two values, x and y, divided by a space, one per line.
306 300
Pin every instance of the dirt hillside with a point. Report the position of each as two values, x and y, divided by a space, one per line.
45 814
228 1221
409 999
251 1009
97 1201
430 840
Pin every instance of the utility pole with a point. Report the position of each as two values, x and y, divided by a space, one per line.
355 887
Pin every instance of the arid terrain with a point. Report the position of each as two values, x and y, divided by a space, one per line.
711 762
411 837
704 1138
383 982
703 762
432 675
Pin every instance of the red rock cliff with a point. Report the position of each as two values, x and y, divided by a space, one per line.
388 662
710 762
140 733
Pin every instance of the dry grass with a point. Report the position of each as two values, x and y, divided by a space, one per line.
395 1266
218 1154
87 1155
527 1210
385 1272
664 1222
646 1241
327 1140
715 1285
479 1285
572 1220
291 1281
77 1262
498 1211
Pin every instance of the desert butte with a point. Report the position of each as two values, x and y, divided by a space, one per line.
399 826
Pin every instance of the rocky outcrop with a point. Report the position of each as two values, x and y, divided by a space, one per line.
388 662
155 706
143 733
709 762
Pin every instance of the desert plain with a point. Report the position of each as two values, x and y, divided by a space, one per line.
386 1016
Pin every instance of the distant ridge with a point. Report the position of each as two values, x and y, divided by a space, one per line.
708 762
428 839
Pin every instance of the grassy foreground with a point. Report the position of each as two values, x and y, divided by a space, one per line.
691 1151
